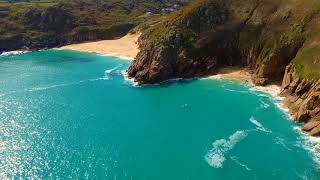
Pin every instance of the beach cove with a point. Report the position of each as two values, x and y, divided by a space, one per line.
68 114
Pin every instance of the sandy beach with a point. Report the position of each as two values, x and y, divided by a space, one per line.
234 73
125 47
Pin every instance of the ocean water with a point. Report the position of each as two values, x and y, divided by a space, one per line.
73 115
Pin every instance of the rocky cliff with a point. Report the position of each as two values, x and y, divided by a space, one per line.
276 40
302 96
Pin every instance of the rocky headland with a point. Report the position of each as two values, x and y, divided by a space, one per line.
277 41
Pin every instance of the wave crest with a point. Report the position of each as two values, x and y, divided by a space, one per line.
258 125
12 53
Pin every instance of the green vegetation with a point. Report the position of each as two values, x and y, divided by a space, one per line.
71 20
276 32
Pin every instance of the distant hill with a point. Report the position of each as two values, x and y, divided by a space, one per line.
48 23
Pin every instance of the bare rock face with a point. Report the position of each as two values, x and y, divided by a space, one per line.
191 43
303 98
155 66
271 69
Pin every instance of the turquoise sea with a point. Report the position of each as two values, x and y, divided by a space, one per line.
70 115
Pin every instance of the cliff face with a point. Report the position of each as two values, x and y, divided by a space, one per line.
302 96
210 34
276 40
186 45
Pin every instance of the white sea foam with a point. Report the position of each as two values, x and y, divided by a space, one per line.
13 53
50 87
273 90
258 125
238 91
98 79
108 71
218 76
125 75
264 104
236 160
310 143
216 156
280 141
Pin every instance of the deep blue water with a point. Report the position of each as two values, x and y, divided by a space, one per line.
66 114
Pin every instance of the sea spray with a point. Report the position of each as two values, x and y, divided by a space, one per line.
312 144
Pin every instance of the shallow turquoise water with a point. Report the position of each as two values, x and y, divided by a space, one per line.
72 115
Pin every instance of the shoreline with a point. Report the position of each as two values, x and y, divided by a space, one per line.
239 74
243 76
124 48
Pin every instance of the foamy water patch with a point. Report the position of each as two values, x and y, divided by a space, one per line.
236 160
218 76
258 125
272 90
216 156
263 104
13 53
281 141
310 143
51 87
131 81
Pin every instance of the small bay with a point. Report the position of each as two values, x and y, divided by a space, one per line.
66 114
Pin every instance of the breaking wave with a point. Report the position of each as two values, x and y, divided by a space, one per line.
311 144
13 53
125 76
263 104
258 125
216 156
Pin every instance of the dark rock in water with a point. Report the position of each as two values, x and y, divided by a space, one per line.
315 131
310 125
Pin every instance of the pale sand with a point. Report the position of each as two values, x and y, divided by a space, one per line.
125 47
235 74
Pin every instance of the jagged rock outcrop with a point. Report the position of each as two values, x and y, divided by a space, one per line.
303 99
196 42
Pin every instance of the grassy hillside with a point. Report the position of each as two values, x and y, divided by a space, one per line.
62 21
265 35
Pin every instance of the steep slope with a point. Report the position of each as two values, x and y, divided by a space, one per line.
266 36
